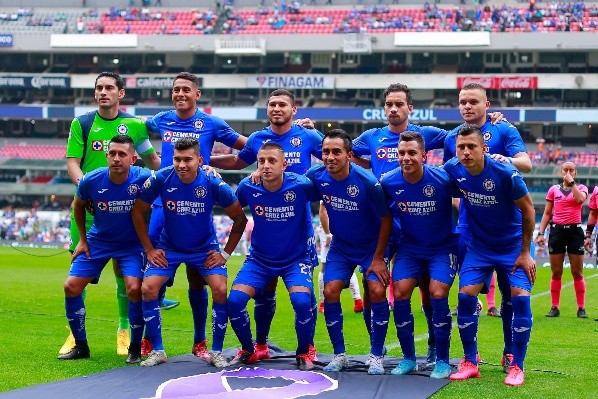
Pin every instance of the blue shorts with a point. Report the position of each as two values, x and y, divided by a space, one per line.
339 267
131 261
441 266
156 224
257 274
480 263
192 260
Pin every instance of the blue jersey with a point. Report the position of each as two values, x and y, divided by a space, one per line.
382 145
299 144
493 218
355 206
112 225
205 128
279 214
425 209
188 224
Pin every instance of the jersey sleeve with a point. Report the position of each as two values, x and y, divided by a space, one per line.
222 192
83 188
593 203
379 201
550 193
309 188
361 145
316 138
224 133
152 124
450 146
74 145
143 145
513 142
240 193
434 137
247 154
152 187
519 189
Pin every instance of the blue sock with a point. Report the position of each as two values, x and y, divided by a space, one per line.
380 316
75 314
429 319
367 319
198 299
219 323
443 321
522 327
404 322
136 322
301 302
333 313
468 318
153 323
314 315
239 318
263 313
506 311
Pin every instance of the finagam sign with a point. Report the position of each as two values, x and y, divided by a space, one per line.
516 82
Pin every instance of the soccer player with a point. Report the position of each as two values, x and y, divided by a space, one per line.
563 212
112 190
86 151
299 144
186 120
360 222
423 195
504 144
500 215
278 206
188 195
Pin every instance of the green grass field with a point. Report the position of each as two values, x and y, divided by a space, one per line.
560 362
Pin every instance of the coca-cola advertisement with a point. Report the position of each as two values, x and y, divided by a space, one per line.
516 82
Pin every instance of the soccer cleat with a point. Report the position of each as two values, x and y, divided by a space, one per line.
217 359
506 361
405 367
166 304
262 352
155 358
358 306
581 313
200 350
134 356
493 312
313 353
68 344
431 356
441 370
146 347
339 362
515 377
77 352
553 312
304 362
466 371
376 365
122 343
384 352
321 307
244 357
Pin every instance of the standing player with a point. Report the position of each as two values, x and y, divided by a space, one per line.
563 212
86 151
360 222
188 196
299 144
500 214
112 191
423 195
188 121
504 144
278 206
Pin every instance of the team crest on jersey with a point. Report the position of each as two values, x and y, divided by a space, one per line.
133 189
171 205
97 145
296 141
200 192
122 129
102 205
259 210
198 124
289 196
147 184
167 136
402 206
487 136
352 190
381 153
326 198
489 185
429 190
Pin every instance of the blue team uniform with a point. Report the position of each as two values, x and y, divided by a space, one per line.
188 232
112 234
493 218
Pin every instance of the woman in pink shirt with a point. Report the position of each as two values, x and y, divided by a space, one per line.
563 211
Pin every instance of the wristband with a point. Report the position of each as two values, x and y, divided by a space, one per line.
589 230
329 235
225 255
